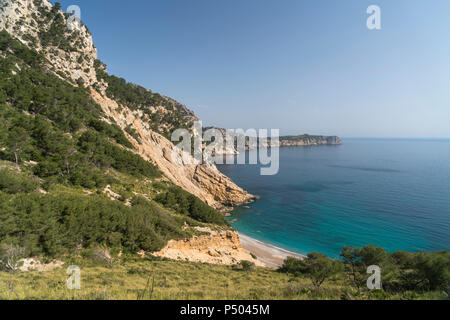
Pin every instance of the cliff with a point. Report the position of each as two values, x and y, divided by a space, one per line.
215 247
308 140
37 24
146 120
203 181
283 141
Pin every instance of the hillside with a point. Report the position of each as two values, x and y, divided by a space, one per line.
87 179
85 158
146 118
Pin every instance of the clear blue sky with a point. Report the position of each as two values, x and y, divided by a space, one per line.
297 65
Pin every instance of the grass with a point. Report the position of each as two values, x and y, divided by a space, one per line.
133 278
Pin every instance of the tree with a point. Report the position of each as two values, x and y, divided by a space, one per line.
10 257
291 265
433 269
320 268
11 260
353 265
16 141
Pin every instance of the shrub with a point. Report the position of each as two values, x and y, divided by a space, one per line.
188 204
244 265
292 266
10 257
53 224
13 182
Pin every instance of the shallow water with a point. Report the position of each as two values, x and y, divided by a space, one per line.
390 193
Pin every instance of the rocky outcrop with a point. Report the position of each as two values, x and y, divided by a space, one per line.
202 180
216 247
33 264
36 23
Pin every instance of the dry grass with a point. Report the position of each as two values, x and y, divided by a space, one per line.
135 278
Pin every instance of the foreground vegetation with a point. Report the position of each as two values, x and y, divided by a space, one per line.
131 277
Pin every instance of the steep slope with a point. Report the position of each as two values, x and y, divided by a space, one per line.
41 26
84 158
204 181
146 118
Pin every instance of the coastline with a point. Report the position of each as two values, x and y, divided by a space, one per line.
268 254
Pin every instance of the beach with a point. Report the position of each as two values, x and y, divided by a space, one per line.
270 255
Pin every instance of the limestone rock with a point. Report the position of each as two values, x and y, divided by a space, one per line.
217 247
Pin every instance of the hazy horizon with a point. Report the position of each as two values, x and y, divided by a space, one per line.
303 67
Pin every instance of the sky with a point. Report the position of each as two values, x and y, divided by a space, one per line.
301 66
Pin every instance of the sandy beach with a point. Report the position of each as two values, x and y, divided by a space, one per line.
271 256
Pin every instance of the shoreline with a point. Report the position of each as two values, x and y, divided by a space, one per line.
268 254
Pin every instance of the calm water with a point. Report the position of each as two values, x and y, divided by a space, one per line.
391 193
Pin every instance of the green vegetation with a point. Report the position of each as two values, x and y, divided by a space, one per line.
14 182
185 203
402 273
132 277
317 267
139 98
60 223
72 188
55 35
59 154
46 120
113 131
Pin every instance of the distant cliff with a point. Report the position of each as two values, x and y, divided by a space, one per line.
283 141
307 140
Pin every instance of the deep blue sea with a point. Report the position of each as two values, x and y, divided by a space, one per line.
390 193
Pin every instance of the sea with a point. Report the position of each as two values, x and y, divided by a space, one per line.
393 193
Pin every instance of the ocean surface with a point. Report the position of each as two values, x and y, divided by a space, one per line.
390 193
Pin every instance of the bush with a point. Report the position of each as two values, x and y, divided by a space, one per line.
187 204
55 224
292 266
433 270
13 182
316 266
244 265
10 257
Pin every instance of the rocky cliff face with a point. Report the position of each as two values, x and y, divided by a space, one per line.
203 181
72 56
216 247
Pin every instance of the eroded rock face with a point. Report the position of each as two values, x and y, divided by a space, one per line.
202 180
217 247
29 20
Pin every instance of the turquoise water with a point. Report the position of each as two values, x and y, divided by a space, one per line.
390 193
